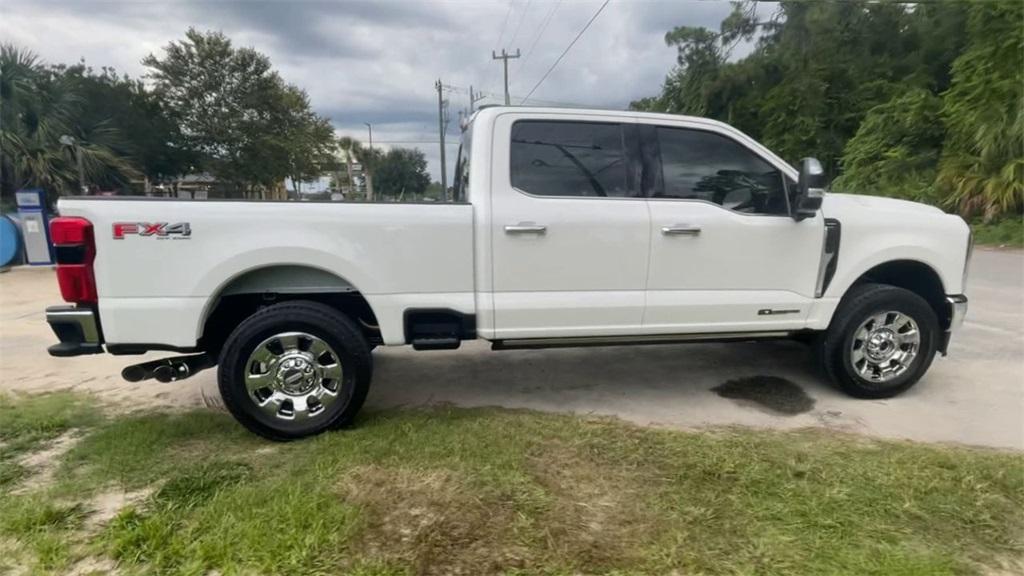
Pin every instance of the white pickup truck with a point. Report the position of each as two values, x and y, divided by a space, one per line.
569 228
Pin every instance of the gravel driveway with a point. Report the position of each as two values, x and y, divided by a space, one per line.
975 396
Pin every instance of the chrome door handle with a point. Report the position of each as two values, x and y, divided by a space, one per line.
525 228
681 230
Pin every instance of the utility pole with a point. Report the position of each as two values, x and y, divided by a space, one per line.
367 171
505 57
473 99
442 125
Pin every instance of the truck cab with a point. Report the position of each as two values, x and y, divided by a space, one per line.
569 227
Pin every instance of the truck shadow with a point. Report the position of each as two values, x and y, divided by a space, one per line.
637 382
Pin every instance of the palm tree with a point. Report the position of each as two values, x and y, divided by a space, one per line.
349 147
370 159
38 108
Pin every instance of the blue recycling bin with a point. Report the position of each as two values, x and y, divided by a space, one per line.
35 226
10 241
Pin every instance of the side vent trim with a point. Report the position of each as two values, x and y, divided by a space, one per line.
829 256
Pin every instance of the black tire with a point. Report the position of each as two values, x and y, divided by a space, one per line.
860 303
319 320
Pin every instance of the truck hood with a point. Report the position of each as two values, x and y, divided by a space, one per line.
846 202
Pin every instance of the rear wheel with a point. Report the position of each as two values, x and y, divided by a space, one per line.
295 369
882 339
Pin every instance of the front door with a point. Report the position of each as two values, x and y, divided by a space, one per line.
725 254
569 230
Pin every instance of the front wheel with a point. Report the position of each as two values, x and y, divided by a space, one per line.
294 369
882 339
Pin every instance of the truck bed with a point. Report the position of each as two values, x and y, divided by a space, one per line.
156 284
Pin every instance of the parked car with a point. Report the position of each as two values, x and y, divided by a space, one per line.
570 228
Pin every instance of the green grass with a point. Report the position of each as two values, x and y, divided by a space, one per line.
37 418
1006 232
507 492
25 424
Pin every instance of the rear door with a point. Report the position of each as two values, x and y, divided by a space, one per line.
569 228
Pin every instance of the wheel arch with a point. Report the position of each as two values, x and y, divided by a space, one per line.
246 291
915 276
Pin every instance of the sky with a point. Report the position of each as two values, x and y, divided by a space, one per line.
377 61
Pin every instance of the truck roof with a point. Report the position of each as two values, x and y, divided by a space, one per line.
495 109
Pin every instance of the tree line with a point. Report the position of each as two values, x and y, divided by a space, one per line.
920 101
206 106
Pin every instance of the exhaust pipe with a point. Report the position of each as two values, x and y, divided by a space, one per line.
168 369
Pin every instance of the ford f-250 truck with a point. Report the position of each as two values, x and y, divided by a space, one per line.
568 228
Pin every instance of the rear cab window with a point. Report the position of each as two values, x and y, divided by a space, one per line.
570 159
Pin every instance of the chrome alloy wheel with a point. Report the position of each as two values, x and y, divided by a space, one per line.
884 346
293 376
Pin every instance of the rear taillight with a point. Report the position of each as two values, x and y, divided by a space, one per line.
75 249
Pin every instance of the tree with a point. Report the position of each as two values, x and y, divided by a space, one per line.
895 152
307 138
983 161
38 109
700 57
350 150
370 158
402 174
434 192
146 133
922 100
246 125
815 72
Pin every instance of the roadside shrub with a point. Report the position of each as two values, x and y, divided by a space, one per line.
982 164
895 152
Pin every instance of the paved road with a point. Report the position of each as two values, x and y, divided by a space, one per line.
975 396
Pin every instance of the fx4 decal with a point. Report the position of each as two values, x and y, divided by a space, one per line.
161 230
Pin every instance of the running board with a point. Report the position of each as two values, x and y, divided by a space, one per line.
437 343
577 341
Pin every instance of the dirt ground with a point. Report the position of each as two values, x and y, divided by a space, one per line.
25 292
975 396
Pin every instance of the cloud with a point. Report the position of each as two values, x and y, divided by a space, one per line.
377 61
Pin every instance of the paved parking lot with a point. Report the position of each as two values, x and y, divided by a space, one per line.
975 396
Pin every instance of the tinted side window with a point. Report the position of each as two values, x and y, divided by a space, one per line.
707 166
569 159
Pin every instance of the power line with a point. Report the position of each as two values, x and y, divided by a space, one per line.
566 51
540 32
504 25
499 96
520 25
501 36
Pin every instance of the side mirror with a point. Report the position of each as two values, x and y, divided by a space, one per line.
810 190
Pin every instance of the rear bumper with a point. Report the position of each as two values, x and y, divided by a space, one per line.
957 311
77 329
